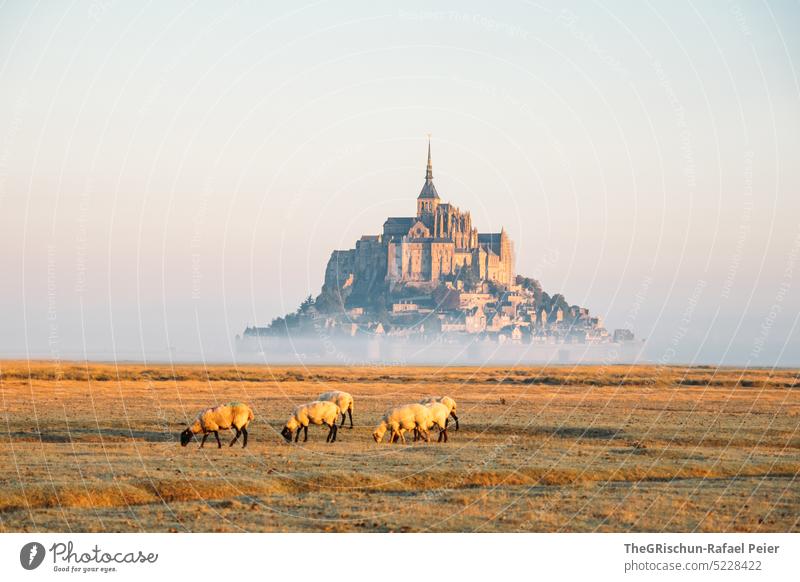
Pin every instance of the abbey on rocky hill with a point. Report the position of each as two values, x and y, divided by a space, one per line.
433 276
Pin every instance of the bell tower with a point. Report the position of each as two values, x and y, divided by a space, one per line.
428 198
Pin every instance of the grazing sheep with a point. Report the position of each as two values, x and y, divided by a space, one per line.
404 418
439 415
317 412
447 401
343 400
232 415
397 420
423 419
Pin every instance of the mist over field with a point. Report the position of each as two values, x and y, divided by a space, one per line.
314 350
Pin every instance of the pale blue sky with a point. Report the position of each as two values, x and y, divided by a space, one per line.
173 171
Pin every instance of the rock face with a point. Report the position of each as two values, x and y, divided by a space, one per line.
437 244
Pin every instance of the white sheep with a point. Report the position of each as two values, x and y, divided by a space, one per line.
317 412
447 401
439 415
343 400
404 418
397 420
232 415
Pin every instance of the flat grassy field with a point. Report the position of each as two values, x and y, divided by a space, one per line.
620 448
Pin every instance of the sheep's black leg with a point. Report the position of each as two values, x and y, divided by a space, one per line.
453 414
335 432
350 414
305 433
344 416
330 432
299 430
441 432
236 437
244 440
205 436
446 421
219 444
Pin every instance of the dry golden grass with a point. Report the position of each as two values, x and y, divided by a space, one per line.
618 448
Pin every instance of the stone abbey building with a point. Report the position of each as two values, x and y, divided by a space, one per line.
422 250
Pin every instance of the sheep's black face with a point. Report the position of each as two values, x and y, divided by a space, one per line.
287 434
186 436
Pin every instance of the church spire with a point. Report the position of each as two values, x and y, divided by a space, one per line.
428 199
428 190
429 173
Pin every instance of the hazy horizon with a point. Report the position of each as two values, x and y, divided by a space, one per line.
172 173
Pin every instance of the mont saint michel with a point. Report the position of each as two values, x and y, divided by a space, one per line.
433 277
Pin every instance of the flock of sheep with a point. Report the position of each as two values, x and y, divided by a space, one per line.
418 418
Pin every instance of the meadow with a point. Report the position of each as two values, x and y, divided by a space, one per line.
94 447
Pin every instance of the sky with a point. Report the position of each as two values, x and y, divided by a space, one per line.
171 172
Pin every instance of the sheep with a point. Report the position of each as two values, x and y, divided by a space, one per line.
317 412
439 415
447 401
343 400
400 418
232 415
404 418
424 421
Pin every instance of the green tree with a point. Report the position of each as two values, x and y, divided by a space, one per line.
307 304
